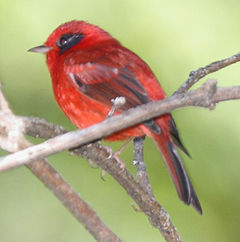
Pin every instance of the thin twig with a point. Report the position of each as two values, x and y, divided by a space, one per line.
142 175
195 76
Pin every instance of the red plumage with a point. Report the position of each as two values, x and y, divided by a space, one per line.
89 68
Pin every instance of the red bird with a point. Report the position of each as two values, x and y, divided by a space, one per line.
89 68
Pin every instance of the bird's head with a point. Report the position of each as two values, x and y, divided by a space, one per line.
73 35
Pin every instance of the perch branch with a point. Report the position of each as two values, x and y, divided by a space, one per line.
100 155
206 96
12 139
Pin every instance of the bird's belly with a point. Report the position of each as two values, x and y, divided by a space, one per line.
84 112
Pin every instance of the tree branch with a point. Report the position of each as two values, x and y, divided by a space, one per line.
206 96
72 201
12 139
142 176
158 217
101 155
195 76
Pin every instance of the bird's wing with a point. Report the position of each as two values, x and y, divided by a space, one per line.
105 82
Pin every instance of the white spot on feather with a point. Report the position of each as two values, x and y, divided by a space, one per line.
115 71
89 64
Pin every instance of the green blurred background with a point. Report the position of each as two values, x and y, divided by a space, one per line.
173 37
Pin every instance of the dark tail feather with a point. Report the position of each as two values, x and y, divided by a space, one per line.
194 200
178 174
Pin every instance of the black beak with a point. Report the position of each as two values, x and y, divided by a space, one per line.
40 49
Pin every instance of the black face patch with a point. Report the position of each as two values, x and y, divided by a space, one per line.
66 41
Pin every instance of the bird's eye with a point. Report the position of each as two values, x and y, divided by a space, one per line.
62 41
67 41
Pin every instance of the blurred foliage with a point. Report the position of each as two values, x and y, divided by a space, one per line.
173 37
